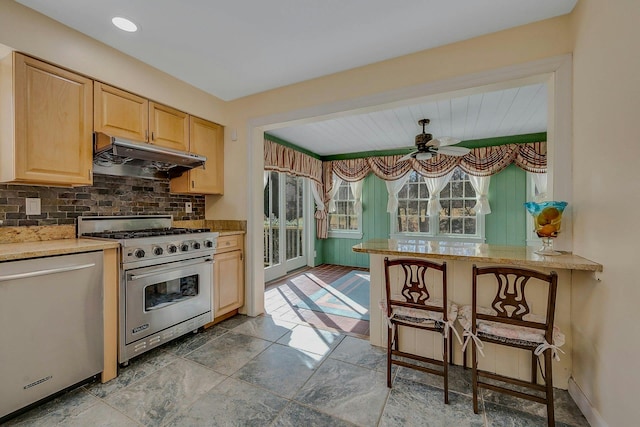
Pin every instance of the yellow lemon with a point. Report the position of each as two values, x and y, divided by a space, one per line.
547 231
542 220
550 213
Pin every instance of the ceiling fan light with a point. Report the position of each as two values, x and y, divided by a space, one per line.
423 156
407 156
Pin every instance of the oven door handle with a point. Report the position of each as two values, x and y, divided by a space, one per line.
164 270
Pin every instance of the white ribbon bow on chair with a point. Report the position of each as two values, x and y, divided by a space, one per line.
554 350
471 336
449 325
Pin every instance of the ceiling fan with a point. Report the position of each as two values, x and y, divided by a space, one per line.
428 146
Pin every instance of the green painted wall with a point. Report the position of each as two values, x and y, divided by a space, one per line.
375 225
504 226
319 248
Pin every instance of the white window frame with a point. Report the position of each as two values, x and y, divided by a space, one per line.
347 234
532 196
434 227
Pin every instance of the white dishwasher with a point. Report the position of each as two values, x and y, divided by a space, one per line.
51 334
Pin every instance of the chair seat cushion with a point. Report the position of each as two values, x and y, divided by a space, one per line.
421 317
509 333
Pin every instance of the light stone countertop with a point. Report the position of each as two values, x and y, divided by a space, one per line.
17 251
510 255
11 248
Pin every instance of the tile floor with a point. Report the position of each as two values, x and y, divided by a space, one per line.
281 296
269 372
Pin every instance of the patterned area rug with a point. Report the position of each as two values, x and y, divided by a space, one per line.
348 296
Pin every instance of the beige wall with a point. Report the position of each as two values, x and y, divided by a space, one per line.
606 149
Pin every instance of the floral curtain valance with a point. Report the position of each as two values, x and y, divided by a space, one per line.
279 158
484 161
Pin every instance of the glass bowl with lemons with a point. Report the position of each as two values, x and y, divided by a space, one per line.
547 219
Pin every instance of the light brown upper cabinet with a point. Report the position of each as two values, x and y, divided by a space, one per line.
120 113
125 115
206 139
169 127
45 123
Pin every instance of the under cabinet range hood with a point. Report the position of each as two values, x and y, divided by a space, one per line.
117 156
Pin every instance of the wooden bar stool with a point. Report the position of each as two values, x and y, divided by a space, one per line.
509 322
414 307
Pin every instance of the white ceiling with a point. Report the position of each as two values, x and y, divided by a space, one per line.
513 111
234 48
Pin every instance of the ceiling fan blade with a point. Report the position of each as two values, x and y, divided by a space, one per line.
407 156
453 151
444 141
423 156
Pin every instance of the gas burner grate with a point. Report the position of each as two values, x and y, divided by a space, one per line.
151 232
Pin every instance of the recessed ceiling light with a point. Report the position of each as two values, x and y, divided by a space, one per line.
124 24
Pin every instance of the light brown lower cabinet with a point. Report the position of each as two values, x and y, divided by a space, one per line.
228 276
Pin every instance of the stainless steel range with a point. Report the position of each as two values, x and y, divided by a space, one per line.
166 278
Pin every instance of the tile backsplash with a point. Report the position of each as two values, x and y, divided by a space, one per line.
109 195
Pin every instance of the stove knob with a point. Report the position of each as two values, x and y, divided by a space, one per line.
208 244
139 253
184 247
196 245
172 249
157 250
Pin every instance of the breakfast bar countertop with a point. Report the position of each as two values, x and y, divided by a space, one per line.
24 250
480 252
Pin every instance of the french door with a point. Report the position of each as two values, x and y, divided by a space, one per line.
284 225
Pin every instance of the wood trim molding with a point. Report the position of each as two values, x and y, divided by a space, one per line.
110 319
590 413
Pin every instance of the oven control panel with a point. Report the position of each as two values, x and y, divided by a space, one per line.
138 249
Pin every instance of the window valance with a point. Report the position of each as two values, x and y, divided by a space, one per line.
483 161
279 158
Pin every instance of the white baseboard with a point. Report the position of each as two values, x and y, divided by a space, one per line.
591 414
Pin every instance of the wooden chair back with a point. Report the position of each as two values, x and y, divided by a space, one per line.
510 301
415 288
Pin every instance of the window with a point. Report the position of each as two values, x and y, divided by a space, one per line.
457 199
412 206
346 220
456 219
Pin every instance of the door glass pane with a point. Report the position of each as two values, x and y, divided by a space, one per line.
272 220
294 224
